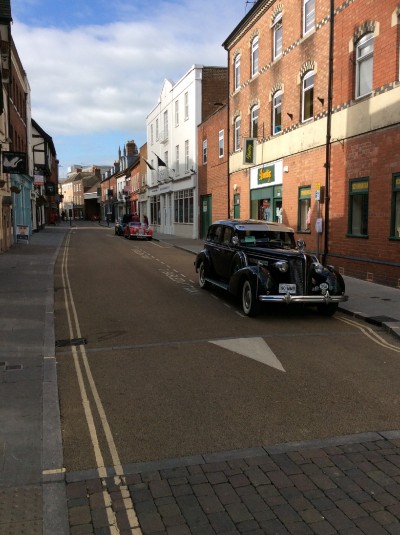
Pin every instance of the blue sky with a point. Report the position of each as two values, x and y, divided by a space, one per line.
96 67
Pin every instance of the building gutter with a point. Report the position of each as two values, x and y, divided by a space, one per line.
328 133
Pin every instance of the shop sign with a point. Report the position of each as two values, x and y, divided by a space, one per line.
50 188
266 175
14 162
22 234
359 187
249 146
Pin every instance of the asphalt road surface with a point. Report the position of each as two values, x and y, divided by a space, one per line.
152 367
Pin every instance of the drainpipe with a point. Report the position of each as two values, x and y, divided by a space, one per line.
328 132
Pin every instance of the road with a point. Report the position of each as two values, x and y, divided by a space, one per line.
169 370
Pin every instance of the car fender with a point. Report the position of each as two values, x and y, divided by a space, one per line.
202 256
260 278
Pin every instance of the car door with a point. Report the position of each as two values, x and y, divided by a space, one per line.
214 248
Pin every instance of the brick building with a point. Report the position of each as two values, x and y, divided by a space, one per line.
213 178
314 88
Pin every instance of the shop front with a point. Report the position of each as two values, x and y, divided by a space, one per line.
266 192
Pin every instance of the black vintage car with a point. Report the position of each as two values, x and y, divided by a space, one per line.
260 262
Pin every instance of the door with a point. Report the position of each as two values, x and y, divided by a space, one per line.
205 214
236 206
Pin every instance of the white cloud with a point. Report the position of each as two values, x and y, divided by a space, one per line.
108 78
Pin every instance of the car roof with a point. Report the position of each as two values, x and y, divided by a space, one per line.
253 224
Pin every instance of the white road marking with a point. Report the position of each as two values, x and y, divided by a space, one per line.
253 348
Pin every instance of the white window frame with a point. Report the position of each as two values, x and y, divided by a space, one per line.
157 131
236 139
254 120
277 30
177 159
151 134
304 93
363 61
308 16
187 155
204 151
237 73
254 56
275 106
176 112
186 106
221 142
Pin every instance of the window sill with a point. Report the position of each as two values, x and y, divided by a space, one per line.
394 238
362 236
303 231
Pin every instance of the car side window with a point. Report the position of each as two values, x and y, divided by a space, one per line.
214 234
227 236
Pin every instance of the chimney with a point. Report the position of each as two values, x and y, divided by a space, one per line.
131 148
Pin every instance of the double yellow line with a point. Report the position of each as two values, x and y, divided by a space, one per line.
370 333
82 368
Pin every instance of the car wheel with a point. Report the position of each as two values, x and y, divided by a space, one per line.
250 304
327 310
202 276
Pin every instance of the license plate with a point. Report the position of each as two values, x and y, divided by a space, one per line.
141 232
287 288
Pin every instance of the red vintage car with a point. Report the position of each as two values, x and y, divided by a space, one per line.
136 229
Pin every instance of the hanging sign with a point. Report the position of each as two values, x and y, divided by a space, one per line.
14 162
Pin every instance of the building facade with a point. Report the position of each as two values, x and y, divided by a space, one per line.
314 90
172 179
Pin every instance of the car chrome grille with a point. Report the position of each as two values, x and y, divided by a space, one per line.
296 273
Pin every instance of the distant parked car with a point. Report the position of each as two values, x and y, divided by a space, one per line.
136 229
259 262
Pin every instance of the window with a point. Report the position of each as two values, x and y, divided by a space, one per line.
177 159
308 16
395 220
183 203
186 106
176 112
237 72
166 158
277 112
277 36
254 56
236 140
204 151
166 125
254 121
157 130
187 155
358 207
307 107
364 65
304 208
155 210
151 134
220 143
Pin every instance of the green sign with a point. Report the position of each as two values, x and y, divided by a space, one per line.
266 174
248 151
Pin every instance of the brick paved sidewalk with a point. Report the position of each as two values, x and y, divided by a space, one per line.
347 485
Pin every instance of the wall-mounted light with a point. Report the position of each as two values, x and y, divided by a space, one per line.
322 100
285 168
290 115
235 187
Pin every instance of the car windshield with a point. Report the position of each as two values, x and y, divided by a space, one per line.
268 238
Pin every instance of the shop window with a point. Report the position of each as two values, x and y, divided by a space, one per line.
304 209
358 207
395 219
364 65
307 96
277 113
183 200
155 210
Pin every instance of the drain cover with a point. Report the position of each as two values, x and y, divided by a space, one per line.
71 342
378 320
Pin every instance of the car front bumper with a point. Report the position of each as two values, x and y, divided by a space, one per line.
310 299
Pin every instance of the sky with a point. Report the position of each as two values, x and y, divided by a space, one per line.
96 67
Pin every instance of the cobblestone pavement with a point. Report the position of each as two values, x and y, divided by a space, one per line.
346 485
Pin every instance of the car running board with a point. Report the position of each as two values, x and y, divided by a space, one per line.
220 284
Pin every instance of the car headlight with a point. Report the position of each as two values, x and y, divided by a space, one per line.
282 265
